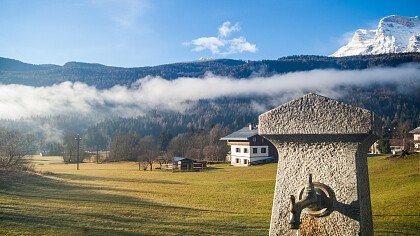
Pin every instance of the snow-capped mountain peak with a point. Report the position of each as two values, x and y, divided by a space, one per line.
394 34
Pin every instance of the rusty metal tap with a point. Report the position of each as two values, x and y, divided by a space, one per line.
309 200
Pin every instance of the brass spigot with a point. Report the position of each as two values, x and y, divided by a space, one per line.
315 197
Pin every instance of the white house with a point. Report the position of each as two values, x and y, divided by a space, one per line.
248 148
416 139
398 145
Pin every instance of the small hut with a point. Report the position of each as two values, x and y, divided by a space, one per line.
182 164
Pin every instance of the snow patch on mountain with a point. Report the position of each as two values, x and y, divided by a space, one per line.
394 34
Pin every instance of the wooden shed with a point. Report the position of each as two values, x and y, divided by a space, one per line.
182 164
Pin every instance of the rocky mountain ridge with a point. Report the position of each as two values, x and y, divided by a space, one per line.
394 34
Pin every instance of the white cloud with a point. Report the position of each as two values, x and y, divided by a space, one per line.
221 44
156 93
225 29
211 43
241 45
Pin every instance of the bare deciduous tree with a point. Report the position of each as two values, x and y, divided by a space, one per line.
148 150
203 145
214 153
179 145
14 146
125 147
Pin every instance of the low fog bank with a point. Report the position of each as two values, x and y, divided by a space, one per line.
20 101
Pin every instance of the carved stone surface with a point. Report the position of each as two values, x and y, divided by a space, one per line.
315 114
329 139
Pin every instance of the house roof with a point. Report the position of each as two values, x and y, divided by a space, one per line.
242 135
396 142
176 159
415 131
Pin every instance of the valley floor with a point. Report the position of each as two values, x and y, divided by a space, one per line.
118 199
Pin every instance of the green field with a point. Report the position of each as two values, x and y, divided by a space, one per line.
118 199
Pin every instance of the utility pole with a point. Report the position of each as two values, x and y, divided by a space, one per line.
78 147
97 153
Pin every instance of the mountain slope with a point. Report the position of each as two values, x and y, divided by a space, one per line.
7 64
102 76
395 34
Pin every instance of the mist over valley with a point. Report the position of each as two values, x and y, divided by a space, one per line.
150 105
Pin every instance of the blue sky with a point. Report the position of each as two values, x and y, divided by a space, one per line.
133 33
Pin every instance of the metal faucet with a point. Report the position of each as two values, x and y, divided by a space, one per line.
317 200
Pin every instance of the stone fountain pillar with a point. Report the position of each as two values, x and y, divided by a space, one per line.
328 139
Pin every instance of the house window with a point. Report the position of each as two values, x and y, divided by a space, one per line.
254 150
254 139
245 161
245 150
237 160
238 150
263 150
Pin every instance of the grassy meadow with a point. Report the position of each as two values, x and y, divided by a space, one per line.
118 199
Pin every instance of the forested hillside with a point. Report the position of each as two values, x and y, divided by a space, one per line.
101 76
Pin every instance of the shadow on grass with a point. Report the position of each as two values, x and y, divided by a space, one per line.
392 227
89 178
34 204
210 168
389 215
374 155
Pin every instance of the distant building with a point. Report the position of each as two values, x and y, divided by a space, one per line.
248 148
182 163
185 164
398 145
416 139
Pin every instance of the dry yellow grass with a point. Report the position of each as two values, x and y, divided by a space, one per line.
118 199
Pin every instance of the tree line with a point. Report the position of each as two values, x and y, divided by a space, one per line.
202 145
